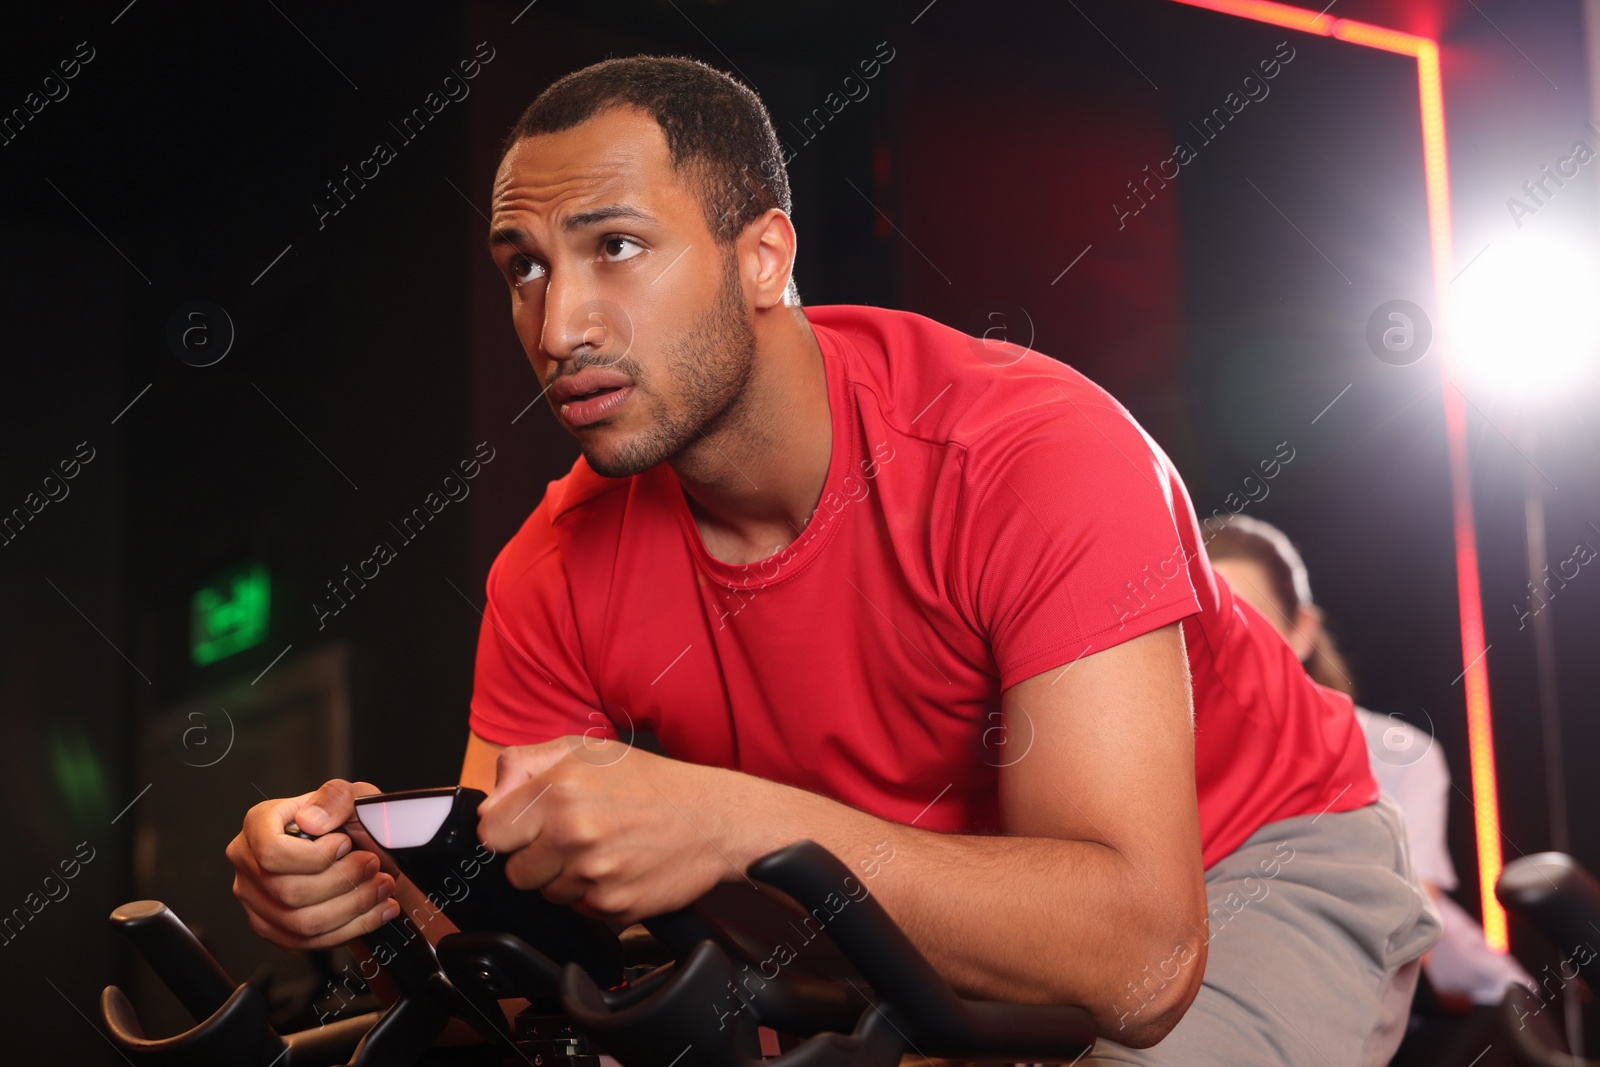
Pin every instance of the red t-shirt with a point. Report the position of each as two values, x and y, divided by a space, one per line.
989 514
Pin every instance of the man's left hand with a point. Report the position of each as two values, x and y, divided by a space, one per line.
614 831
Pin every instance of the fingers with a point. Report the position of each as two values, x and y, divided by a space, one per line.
276 852
302 894
513 823
519 816
305 890
518 766
263 845
272 896
533 867
332 806
352 914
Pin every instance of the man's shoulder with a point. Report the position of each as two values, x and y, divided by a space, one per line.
936 383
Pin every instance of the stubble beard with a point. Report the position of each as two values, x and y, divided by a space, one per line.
711 365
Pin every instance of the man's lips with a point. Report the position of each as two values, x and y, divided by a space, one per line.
583 410
585 383
593 394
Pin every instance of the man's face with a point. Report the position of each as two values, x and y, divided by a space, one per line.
617 286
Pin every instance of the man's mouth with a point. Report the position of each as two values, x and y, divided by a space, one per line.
594 393
584 409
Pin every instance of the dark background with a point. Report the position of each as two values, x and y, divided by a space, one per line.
377 352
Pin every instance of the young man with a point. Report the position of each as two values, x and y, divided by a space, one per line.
944 613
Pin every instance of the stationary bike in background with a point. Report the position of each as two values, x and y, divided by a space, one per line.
1561 900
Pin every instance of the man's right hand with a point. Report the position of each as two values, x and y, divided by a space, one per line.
302 894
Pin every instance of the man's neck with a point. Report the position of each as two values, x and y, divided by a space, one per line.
754 480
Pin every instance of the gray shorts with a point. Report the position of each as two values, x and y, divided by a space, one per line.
1317 930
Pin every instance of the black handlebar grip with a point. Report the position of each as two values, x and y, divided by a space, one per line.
1561 899
865 933
933 1016
176 955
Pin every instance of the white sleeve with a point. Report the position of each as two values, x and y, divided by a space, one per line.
1410 768
1461 963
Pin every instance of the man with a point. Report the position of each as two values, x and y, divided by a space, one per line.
941 613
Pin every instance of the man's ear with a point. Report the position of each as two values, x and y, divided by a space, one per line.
1307 631
767 252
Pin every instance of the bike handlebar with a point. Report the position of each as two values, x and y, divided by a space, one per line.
894 1002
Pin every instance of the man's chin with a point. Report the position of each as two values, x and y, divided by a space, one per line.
616 463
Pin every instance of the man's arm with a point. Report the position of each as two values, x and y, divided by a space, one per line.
477 767
1102 877
1098 878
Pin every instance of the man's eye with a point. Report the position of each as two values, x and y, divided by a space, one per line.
524 270
618 249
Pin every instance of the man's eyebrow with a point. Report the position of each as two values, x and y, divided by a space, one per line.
605 213
508 235
516 238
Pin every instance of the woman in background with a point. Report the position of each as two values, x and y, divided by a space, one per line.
1265 570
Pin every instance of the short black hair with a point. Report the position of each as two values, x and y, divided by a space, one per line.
717 130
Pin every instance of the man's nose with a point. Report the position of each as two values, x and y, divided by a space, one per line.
574 320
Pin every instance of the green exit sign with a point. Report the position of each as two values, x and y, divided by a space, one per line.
230 615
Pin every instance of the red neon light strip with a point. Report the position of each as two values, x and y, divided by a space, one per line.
1295 18
1436 174
1365 33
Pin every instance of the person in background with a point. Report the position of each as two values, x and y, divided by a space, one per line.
1265 570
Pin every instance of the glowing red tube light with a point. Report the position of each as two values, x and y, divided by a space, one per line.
1436 173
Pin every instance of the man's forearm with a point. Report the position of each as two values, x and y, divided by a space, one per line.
1029 919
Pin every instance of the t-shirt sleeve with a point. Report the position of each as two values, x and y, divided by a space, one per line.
1073 544
529 682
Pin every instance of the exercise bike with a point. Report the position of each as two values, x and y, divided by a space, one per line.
809 958
1560 899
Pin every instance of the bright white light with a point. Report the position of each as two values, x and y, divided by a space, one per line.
1527 317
